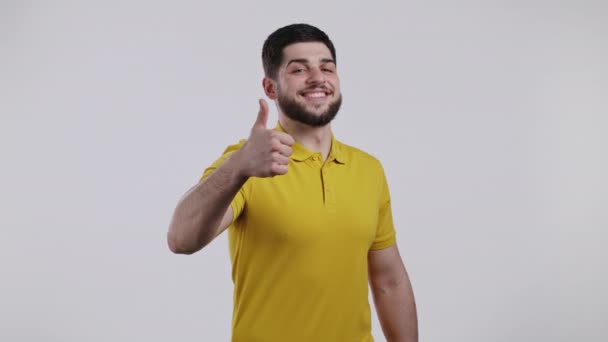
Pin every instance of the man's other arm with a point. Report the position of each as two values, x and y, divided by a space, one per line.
393 295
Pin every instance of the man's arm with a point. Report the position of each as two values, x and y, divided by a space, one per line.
393 295
204 211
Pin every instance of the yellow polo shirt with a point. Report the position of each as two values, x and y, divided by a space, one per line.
299 245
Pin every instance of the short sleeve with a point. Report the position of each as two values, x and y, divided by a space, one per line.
385 231
238 202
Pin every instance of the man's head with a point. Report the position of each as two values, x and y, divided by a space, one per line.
272 51
300 67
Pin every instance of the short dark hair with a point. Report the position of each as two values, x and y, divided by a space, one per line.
272 51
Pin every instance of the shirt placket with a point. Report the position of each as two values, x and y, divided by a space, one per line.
327 184
329 195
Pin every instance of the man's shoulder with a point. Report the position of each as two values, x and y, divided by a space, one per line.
234 147
358 155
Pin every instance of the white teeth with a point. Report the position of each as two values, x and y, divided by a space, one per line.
316 95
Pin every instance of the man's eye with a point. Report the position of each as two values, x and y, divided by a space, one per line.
328 70
298 70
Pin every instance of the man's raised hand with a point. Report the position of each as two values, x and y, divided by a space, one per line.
266 152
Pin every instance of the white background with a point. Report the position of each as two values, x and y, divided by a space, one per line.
490 117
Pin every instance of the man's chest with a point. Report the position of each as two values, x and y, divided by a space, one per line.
314 207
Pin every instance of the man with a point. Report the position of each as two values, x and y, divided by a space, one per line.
309 217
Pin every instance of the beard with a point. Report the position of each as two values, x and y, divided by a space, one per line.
298 112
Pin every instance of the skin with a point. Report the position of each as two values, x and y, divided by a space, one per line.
204 211
393 295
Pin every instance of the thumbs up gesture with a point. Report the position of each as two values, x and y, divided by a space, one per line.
266 152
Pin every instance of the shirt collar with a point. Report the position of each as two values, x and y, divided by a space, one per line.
301 153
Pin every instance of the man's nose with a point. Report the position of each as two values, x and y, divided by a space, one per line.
316 76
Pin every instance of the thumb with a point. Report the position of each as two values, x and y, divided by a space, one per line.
262 119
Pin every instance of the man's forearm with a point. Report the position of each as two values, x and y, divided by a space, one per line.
396 310
200 211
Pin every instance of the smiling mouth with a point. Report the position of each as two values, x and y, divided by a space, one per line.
316 95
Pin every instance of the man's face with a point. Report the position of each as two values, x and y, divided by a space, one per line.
308 87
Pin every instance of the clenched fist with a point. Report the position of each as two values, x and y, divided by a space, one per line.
266 152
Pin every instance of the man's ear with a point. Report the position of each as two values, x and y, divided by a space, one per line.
270 88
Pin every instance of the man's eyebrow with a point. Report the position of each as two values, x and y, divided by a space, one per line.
298 60
306 61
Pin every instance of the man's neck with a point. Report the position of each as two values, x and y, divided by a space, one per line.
316 139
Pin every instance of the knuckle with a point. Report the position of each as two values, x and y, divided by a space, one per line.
279 169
